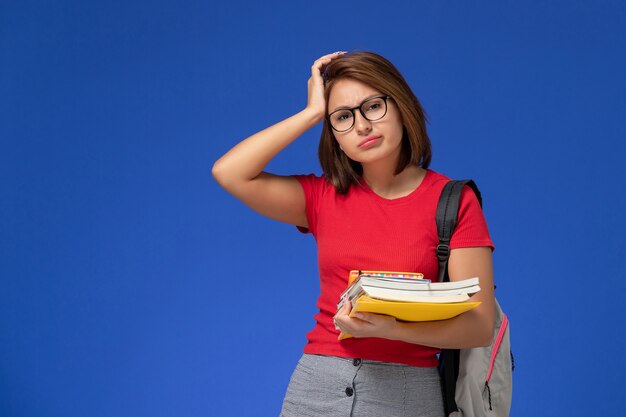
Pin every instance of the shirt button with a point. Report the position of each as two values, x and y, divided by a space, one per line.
356 362
349 391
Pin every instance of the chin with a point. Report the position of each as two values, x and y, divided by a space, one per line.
376 155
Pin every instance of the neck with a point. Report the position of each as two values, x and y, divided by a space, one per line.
382 180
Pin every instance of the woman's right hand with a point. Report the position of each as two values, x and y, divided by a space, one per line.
316 101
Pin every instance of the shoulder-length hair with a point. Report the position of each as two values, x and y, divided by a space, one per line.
377 72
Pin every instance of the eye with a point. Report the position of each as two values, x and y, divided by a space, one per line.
374 105
342 116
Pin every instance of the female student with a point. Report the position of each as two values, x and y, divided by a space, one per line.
372 209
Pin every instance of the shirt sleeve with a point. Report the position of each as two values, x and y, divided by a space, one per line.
471 229
311 185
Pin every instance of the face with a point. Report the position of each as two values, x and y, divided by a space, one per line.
366 141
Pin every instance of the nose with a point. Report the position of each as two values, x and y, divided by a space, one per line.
361 124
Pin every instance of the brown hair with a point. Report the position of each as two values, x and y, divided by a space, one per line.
377 72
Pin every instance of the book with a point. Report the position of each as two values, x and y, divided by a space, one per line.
408 299
412 311
396 288
420 285
426 296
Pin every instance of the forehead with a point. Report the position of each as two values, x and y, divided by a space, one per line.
349 92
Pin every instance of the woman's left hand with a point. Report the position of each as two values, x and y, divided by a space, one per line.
363 324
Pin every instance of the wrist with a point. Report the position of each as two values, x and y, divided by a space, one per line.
398 331
313 115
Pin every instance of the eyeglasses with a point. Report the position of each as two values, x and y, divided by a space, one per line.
372 109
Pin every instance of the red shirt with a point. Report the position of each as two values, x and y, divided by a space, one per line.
361 230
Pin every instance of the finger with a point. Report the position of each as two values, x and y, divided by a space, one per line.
336 323
344 311
333 55
369 318
325 60
347 306
316 68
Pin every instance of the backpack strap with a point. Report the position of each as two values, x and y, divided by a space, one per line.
449 372
447 214
446 218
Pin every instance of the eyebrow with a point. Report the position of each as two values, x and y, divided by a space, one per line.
364 100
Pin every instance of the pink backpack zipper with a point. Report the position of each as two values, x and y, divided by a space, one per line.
496 345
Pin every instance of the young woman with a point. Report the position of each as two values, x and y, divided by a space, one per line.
373 209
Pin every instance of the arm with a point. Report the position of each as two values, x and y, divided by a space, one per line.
470 329
240 170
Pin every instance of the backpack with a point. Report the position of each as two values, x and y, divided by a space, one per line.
475 382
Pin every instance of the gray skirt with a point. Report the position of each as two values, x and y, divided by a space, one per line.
330 386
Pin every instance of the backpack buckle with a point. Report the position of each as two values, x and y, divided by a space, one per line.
443 251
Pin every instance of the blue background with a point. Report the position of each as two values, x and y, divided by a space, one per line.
132 285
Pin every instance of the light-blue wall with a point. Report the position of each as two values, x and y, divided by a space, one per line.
132 285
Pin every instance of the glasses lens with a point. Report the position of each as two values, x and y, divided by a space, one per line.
374 109
342 120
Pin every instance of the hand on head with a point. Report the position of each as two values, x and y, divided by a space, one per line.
316 83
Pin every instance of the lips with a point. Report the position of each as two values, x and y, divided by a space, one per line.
369 141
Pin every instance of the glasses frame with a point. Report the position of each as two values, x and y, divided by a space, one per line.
360 108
